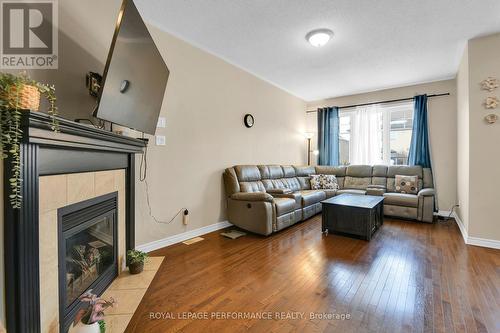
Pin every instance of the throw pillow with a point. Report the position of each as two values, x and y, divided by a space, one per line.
329 182
406 184
315 182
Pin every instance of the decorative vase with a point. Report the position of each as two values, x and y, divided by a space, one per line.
84 328
136 267
25 96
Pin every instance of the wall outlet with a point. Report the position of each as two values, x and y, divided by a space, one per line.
185 217
160 140
162 122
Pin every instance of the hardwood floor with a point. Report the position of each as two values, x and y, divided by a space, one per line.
412 277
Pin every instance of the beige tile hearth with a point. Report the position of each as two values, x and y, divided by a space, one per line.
127 290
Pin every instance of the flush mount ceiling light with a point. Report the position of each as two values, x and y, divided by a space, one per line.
319 37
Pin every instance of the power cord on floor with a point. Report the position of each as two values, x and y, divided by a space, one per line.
143 169
447 218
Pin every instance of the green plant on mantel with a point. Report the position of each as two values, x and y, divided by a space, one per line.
13 98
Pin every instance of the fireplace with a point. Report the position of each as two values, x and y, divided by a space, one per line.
88 251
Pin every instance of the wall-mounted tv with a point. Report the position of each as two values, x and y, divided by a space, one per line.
135 76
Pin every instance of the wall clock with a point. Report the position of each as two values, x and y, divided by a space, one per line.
248 120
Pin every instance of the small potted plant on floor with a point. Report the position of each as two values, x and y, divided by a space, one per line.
136 261
90 319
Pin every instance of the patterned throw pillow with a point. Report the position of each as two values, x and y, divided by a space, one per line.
406 184
315 182
329 182
325 182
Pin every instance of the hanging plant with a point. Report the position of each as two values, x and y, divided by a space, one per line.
19 93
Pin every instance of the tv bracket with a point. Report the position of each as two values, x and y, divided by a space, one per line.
93 83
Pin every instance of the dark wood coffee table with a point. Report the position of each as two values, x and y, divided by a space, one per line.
353 215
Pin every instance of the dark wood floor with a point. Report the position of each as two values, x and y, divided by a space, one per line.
412 277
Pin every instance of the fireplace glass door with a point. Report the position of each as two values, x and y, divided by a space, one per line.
89 253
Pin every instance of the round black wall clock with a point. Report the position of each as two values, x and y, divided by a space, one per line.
248 120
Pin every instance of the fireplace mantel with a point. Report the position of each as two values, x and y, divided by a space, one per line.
76 148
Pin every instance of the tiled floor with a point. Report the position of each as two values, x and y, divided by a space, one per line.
127 290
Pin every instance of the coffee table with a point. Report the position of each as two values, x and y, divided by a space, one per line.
353 215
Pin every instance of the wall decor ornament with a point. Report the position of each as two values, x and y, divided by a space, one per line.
491 118
491 102
489 84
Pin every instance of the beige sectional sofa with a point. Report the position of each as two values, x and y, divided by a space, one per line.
266 198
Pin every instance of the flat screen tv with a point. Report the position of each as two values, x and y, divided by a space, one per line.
135 76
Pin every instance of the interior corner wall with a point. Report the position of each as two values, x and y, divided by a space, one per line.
442 129
463 138
484 151
204 105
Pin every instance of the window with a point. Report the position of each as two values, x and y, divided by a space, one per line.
376 134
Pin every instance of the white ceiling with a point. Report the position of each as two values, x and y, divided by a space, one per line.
377 44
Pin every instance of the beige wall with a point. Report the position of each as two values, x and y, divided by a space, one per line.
205 102
482 149
442 128
206 99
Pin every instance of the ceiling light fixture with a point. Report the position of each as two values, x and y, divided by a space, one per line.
319 37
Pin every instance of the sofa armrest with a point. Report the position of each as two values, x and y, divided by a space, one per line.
426 192
279 191
252 196
292 195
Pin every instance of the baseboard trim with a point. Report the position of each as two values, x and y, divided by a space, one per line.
493 244
461 226
483 242
158 244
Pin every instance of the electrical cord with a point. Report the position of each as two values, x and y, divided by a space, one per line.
143 168
451 212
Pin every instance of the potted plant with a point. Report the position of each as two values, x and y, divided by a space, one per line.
20 93
136 261
90 319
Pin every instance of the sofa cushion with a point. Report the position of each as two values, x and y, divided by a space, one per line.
359 171
284 205
427 178
351 191
231 183
305 183
401 199
359 183
404 170
379 171
283 183
304 171
331 170
330 193
288 171
247 173
310 197
406 184
252 187
271 171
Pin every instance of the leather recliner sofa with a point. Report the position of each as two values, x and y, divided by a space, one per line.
267 198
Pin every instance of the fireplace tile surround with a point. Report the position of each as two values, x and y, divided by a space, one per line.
58 191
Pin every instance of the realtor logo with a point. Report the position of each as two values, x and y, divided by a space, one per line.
29 34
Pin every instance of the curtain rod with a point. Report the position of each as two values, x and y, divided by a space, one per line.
381 102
